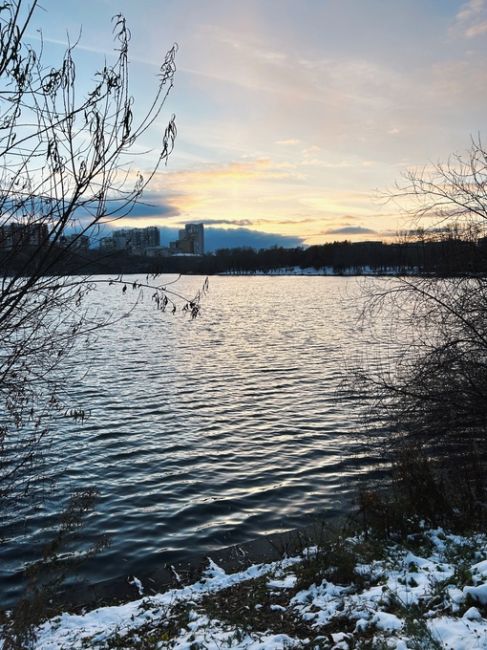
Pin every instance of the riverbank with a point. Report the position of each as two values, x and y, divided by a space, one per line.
232 559
326 271
355 591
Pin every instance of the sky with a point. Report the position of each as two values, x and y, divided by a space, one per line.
294 117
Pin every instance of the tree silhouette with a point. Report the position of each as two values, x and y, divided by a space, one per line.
65 170
434 398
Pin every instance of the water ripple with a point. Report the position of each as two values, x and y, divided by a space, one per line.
207 432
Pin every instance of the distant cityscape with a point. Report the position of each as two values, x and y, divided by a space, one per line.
139 250
133 241
15 236
146 241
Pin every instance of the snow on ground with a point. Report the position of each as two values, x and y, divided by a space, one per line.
428 593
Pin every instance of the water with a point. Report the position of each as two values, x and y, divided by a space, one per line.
209 432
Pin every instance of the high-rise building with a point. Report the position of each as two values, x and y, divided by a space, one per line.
191 240
135 240
195 232
121 239
76 242
17 236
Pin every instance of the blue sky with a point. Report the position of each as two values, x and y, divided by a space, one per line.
293 115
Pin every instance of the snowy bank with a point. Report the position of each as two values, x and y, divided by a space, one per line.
329 271
427 592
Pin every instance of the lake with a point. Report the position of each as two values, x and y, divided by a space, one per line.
208 432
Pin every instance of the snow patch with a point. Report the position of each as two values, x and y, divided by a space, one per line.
286 583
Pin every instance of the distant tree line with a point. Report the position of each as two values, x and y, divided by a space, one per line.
442 253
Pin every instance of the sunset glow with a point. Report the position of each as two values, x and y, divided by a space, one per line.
293 117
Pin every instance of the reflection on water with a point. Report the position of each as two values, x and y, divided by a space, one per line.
209 432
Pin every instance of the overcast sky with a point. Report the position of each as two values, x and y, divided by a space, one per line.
292 114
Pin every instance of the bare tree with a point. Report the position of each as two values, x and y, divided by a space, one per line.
433 399
65 167
65 171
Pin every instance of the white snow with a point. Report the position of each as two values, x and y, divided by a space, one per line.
137 584
472 614
278 608
478 593
385 621
378 605
326 270
459 634
176 574
481 568
286 583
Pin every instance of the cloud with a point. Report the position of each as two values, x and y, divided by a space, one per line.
228 194
232 171
115 210
317 162
216 238
289 142
227 222
287 222
477 30
471 19
470 9
313 149
350 230
156 207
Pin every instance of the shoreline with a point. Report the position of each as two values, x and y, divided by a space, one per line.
426 590
80 596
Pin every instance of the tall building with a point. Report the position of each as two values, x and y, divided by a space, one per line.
134 240
76 242
17 236
195 232
191 240
121 239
